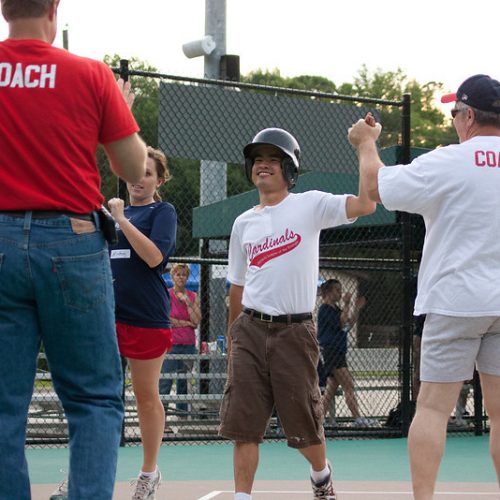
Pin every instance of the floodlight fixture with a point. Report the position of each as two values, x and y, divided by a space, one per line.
202 47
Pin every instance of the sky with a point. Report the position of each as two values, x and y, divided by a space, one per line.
429 40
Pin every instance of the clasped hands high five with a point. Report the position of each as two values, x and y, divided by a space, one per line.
364 130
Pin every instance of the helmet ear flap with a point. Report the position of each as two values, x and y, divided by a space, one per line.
290 171
248 168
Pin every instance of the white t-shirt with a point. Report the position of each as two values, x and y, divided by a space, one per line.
457 191
274 251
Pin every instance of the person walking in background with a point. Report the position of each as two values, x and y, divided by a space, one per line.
146 239
272 345
55 277
455 188
184 318
458 419
334 324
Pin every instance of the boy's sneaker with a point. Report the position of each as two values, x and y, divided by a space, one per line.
324 490
145 487
61 492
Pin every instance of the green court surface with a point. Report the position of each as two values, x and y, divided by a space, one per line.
466 459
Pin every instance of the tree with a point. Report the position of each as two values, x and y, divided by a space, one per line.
145 112
429 126
304 82
146 90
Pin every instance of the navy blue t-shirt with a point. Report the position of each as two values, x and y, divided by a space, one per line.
141 294
331 336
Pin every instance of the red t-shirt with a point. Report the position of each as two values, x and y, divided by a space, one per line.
55 108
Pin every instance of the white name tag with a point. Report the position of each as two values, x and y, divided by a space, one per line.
120 254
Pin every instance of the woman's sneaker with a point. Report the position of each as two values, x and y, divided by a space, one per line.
146 486
324 490
61 492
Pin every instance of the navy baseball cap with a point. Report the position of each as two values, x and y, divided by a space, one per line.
478 91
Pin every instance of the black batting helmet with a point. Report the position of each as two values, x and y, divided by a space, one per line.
285 142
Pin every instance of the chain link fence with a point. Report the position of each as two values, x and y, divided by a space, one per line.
202 126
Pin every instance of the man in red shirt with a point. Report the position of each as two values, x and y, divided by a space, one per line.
55 277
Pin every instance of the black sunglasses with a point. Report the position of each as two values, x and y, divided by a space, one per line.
455 111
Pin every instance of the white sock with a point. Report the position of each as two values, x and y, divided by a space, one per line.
242 496
149 474
319 476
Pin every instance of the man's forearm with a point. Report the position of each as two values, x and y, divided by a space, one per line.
369 165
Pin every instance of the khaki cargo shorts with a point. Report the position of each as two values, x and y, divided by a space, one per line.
272 365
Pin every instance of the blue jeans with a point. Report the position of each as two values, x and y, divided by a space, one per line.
177 366
56 288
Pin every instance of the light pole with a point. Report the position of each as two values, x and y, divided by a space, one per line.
213 181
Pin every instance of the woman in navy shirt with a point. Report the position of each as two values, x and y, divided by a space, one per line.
146 239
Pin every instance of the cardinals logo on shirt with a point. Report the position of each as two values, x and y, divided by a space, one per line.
273 247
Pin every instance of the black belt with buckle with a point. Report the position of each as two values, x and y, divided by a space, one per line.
46 214
282 318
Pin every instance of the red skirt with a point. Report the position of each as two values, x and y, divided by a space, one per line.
143 343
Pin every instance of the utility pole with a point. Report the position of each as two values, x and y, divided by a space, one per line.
213 181
213 174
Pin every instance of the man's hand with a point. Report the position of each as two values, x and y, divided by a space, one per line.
126 90
366 129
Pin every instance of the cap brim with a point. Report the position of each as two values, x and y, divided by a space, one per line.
449 98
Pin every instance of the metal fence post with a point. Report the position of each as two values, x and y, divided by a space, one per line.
478 405
121 186
407 306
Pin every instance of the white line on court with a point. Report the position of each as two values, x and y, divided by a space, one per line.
437 494
213 494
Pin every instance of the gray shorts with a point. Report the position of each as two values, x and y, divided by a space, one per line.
272 365
451 346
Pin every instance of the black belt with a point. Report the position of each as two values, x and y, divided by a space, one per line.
46 214
282 318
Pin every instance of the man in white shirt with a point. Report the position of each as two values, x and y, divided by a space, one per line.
273 271
457 191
